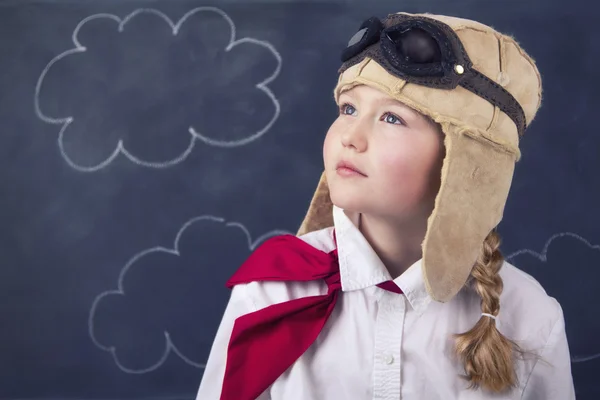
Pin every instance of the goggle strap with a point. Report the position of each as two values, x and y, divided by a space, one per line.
489 90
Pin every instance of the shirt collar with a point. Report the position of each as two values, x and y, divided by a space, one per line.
361 267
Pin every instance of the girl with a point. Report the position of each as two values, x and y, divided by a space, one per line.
396 287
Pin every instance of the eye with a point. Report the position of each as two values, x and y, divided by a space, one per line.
347 109
392 119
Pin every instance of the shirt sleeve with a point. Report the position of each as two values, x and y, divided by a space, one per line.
551 377
212 379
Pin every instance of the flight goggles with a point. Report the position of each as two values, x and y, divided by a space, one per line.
427 52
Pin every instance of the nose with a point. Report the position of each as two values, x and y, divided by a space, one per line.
355 136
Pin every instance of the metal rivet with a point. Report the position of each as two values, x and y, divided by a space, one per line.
459 69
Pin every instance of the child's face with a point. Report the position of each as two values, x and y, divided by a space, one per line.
398 150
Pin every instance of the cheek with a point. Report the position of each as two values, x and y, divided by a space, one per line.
408 169
330 146
397 162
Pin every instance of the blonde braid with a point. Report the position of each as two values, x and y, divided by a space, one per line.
487 355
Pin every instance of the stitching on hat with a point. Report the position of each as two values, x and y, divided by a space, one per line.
400 84
362 66
502 49
511 40
474 25
470 28
503 77
494 120
484 137
497 110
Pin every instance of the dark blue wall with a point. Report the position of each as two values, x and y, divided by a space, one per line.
141 162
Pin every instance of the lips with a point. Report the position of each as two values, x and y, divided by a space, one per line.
348 167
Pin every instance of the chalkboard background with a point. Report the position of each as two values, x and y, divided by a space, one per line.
147 147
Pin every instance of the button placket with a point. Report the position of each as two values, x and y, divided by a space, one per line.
388 342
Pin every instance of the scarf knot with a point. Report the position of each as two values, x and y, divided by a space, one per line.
265 343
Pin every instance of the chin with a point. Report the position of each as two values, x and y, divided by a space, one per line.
346 200
357 201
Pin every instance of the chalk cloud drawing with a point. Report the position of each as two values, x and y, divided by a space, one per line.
569 252
165 297
116 85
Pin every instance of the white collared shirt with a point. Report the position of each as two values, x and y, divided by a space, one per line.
382 345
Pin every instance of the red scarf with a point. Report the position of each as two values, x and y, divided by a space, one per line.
265 343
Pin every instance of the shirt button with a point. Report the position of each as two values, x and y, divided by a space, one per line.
389 359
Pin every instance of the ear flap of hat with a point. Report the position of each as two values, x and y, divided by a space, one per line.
320 211
475 182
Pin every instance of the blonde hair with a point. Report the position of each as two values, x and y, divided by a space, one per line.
487 355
